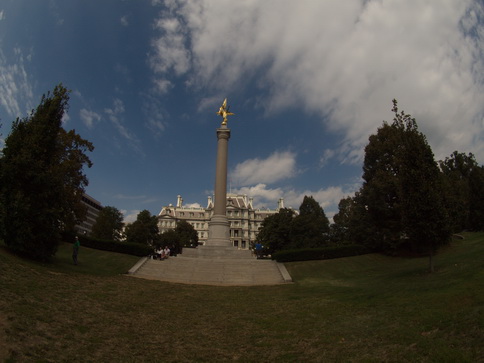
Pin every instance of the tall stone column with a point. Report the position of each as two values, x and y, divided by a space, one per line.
218 227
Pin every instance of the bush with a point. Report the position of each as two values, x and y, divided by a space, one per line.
325 253
128 248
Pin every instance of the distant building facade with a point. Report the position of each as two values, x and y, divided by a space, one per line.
93 209
244 219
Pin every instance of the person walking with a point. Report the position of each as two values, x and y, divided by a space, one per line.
75 250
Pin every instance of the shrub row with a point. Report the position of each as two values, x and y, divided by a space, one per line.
325 253
135 249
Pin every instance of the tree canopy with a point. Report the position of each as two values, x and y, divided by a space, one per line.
187 234
109 224
401 204
144 229
42 179
464 191
310 228
274 233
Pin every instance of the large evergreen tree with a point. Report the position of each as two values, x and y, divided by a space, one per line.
403 190
109 224
41 179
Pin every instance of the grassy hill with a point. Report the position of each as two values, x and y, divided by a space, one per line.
369 308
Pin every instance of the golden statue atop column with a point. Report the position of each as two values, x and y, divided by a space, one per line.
224 112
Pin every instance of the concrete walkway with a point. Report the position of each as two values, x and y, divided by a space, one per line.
216 271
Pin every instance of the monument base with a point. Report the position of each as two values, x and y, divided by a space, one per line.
217 252
218 232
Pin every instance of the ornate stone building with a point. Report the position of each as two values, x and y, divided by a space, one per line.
243 218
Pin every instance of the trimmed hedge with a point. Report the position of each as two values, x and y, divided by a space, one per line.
325 253
128 248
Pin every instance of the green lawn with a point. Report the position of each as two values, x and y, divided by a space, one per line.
369 308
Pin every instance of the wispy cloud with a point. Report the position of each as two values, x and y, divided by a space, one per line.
124 20
89 117
116 115
15 84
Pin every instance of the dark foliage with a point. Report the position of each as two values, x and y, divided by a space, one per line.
325 253
144 230
274 233
310 229
135 249
109 224
41 179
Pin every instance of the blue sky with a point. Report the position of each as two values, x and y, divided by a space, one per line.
309 81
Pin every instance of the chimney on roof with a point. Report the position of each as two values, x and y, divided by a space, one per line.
280 204
179 201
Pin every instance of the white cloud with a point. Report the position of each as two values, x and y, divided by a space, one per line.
262 195
2 14
89 117
342 60
192 205
328 198
170 53
278 166
130 216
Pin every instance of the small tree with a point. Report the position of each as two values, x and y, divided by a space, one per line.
109 224
41 179
144 230
274 233
311 227
188 236
464 191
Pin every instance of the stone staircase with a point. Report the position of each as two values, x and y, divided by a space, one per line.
216 270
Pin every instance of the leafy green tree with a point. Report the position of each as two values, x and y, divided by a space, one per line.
41 179
274 233
144 230
187 234
476 204
403 191
109 224
464 189
311 227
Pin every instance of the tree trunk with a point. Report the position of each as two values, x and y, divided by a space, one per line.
431 260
